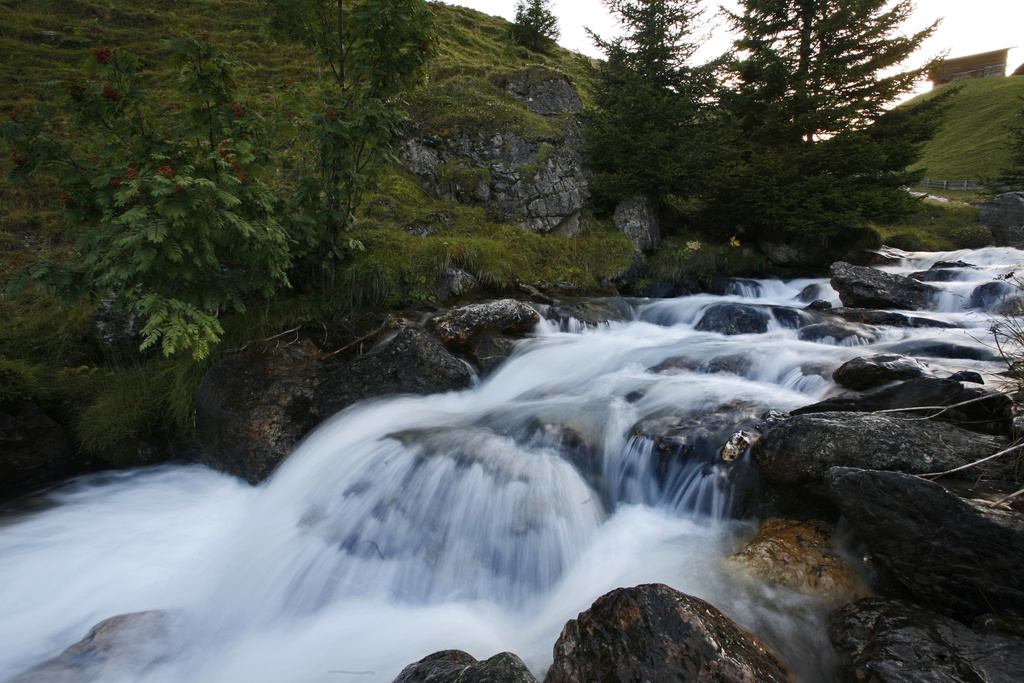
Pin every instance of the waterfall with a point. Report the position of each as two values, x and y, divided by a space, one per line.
480 520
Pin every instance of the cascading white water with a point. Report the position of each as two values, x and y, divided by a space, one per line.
479 520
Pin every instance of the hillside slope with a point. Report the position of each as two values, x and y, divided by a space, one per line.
972 143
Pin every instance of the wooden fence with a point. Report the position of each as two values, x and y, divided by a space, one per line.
947 185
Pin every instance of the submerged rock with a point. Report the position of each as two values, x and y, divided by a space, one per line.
891 641
730 318
124 647
960 559
838 331
800 449
798 555
865 372
863 287
456 666
654 633
866 316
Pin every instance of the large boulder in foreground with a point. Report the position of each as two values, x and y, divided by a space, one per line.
251 410
124 647
34 450
961 559
456 666
800 449
890 641
862 287
460 327
655 633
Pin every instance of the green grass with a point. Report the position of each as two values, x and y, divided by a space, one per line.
973 141
938 226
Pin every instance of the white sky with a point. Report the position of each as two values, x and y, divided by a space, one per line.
968 26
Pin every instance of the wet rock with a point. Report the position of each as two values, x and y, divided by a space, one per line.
865 372
124 647
837 332
590 312
34 450
459 327
967 376
985 411
456 666
790 318
637 217
892 318
960 559
892 641
1004 215
801 448
737 444
798 555
939 349
489 351
990 294
654 633
411 362
862 287
811 293
729 318
251 410
736 364
820 306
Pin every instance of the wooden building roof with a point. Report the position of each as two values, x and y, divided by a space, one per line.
973 66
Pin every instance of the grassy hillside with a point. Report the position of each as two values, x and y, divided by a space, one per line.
972 143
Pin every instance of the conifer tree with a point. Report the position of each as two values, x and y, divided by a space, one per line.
535 27
816 148
1012 177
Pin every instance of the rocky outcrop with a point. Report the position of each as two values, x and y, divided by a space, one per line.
981 410
961 559
862 287
459 327
800 449
731 318
409 362
637 217
538 184
654 633
865 372
891 641
1004 215
798 555
124 647
251 410
456 666
34 450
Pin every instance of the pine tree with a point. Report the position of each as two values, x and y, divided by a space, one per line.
1012 177
816 149
648 131
535 28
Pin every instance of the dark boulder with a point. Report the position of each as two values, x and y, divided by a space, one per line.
891 641
654 633
941 349
838 332
819 306
864 372
729 318
961 559
34 450
410 362
251 410
657 290
456 666
489 351
125 647
459 327
862 287
866 316
985 411
800 449
1004 215
589 312
991 294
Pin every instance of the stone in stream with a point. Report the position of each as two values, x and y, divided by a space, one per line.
867 316
990 294
459 327
863 287
865 372
892 641
960 559
731 318
125 647
838 332
799 450
655 633
456 666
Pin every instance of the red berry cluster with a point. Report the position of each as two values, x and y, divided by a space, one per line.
243 178
110 94
132 172
434 6
64 198
166 172
288 82
201 35
102 55
331 115
424 46
235 109
14 114
117 182
17 159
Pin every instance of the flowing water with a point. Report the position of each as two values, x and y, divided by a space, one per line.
480 520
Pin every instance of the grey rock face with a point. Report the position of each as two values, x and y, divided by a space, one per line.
890 641
959 559
456 666
863 287
654 633
544 92
865 372
801 448
1004 215
116 331
638 219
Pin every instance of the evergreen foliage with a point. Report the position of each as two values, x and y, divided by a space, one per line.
650 124
535 27
814 150
1012 177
